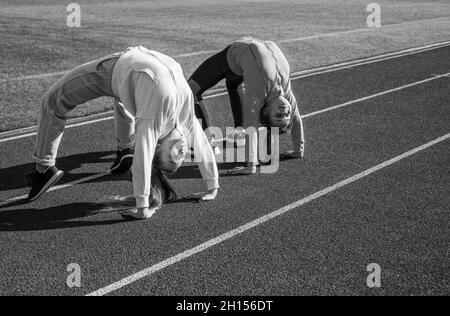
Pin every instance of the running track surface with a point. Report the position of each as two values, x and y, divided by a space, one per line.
397 217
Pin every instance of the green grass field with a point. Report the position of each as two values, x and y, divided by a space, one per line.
35 39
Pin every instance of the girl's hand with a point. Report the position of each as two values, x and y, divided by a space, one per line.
138 214
246 171
292 155
202 196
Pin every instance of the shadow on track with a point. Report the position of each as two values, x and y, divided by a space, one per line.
73 215
58 217
193 172
14 178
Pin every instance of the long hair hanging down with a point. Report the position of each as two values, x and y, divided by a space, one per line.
161 192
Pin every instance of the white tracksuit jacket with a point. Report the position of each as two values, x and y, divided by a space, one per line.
153 89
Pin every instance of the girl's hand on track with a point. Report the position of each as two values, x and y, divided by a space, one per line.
246 171
202 196
138 214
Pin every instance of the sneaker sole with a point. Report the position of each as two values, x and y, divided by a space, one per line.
123 161
48 185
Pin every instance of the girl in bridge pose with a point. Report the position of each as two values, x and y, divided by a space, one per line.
154 113
267 98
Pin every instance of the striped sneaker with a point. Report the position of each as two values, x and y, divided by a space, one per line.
123 162
41 182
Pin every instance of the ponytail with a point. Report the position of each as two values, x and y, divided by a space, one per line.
161 190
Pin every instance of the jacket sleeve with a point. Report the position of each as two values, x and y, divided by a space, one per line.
146 140
297 132
204 156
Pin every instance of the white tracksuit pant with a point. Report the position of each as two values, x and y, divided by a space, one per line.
85 83
152 98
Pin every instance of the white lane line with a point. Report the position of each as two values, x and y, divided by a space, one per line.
336 107
325 35
244 228
70 184
367 61
32 77
376 95
68 126
291 40
203 52
208 52
107 118
24 133
60 73
70 122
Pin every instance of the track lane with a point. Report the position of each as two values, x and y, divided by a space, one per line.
314 93
70 237
396 218
396 136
